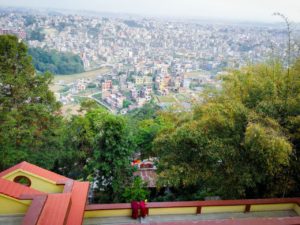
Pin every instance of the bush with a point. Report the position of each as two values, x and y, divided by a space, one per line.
137 191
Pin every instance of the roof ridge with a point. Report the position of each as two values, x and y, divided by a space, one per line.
15 190
37 170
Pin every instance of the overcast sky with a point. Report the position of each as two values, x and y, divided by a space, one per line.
245 10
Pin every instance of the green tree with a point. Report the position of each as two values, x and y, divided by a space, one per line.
241 141
30 128
79 147
56 62
137 191
37 34
110 166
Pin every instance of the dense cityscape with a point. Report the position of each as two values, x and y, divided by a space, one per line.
142 60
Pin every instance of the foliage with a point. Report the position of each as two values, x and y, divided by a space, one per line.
36 35
137 191
56 62
148 111
111 156
126 103
238 143
132 23
30 128
88 105
29 20
79 147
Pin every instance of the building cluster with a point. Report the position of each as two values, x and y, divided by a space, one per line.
140 45
21 34
149 57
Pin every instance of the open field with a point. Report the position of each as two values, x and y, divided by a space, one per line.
89 74
56 87
182 97
196 74
166 99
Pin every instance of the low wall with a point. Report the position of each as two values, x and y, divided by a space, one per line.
197 207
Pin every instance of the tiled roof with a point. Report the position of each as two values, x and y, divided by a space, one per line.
15 190
55 209
78 202
25 166
147 175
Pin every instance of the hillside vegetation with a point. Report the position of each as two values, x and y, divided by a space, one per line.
55 62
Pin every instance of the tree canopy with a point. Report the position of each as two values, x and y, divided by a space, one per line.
56 62
240 142
29 126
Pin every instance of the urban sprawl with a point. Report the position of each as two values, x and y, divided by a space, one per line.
145 60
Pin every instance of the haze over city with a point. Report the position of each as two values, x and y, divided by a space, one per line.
242 10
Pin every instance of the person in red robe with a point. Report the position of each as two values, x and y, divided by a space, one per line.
135 209
144 209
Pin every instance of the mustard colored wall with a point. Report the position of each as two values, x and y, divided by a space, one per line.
271 207
179 210
107 213
37 183
297 209
223 209
193 210
11 206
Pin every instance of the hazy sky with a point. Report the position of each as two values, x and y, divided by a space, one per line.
251 10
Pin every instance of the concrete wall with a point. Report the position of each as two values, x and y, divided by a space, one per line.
223 209
271 207
11 206
37 182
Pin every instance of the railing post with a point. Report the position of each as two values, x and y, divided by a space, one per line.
247 208
199 209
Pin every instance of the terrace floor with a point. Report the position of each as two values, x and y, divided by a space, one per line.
11 220
184 218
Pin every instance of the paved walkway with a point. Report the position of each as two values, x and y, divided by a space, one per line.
192 218
11 220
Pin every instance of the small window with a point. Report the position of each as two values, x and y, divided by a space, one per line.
23 180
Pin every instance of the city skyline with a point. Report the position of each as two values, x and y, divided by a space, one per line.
239 10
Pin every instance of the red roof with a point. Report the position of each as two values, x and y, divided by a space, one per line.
65 208
148 175
35 170
79 197
15 190
55 209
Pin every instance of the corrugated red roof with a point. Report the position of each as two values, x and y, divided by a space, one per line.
55 209
78 203
35 170
15 190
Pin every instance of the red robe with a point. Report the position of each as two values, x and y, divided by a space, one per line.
144 209
135 209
